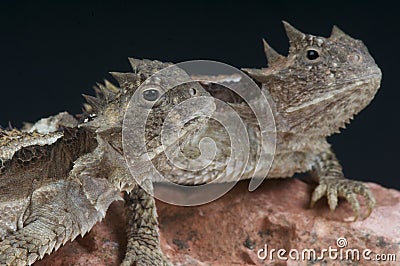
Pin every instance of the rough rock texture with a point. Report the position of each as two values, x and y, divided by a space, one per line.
231 230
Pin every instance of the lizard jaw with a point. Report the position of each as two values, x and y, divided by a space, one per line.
354 84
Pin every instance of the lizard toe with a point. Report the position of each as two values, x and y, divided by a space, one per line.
318 193
348 189
351 197
332 196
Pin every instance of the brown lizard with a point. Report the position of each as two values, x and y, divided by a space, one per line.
60 175
313 92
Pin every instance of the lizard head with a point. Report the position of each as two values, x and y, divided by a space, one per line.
321 84
146 98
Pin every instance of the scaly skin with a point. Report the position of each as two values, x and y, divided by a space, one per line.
313 92
311 99
143 245
58 180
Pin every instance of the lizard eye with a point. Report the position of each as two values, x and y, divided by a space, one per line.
151 95
193 91
312 54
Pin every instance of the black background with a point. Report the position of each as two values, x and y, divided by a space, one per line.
52 52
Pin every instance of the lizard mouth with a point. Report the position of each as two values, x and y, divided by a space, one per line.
343 87
377 75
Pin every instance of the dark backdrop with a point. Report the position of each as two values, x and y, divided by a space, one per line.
52 52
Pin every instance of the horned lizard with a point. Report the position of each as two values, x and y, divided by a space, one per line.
60 175
314 92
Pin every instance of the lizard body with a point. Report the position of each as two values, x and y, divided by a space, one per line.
55 185
313 92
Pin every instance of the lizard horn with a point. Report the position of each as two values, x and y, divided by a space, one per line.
134 63
271 54
293 34
111 87
338 33
94 102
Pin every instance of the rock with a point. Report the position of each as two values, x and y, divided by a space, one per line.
234 228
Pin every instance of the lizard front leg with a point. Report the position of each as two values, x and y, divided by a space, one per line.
327 171
143 247
58 212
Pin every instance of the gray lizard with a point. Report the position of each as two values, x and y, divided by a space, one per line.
59 176
313 92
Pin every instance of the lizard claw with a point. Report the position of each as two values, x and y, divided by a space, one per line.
348 189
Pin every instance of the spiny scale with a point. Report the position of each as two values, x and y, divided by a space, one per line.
292 33
94 102
273 57
103 92
108 92
338 34
125 80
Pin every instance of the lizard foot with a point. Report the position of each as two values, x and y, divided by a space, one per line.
349 189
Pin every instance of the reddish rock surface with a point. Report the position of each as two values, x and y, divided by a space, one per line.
231 230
